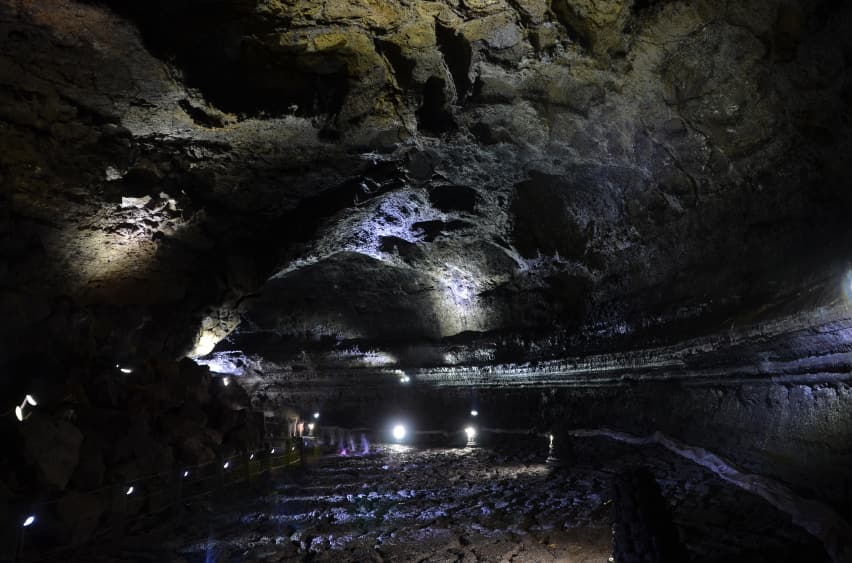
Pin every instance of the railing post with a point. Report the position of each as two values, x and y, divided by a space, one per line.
119 506
20 536
178 476
303 452
220 472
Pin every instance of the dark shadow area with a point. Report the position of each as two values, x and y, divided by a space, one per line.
454 198
457 54
218 48
433 118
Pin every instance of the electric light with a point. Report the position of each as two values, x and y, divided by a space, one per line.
251 457
227 465
272 451
29 521
19 413
399 432
474 412
226 381
185 474
130 490
316 415
311 427
123 370
29 399
404 379
471 432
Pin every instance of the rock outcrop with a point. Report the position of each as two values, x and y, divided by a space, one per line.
326 196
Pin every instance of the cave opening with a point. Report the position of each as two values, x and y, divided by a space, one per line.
503 280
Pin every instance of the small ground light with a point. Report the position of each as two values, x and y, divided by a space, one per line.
404 379
227 465
311 427
399 432
226 381
471 432
316 415
251 456
272 451
30 520
19 414
474 412
185 474
29 399
129 490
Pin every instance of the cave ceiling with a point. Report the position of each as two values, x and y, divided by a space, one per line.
401 181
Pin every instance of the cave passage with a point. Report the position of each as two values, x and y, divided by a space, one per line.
509 501
457 280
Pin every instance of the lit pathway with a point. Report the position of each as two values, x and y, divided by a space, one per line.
401 504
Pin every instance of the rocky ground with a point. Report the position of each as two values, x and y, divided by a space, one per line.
401 503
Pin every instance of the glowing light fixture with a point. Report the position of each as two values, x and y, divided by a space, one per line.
251 457
129 490
29 399
227 465
471 432
399 432
19 413
404 379
272 451
186 474
226 381
29 521
550 437
123 370
474 412
310 426
316 415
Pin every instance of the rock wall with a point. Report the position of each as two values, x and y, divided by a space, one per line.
439 169
102 430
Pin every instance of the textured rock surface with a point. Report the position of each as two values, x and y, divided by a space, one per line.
637 210
617 162
475 505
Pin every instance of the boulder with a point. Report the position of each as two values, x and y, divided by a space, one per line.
80 513
193 452
53 447
90 470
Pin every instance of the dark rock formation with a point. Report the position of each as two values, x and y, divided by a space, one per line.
635 210
643 528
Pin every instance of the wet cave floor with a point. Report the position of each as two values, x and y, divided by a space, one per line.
402 503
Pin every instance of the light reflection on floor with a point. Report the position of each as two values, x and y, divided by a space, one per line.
404 504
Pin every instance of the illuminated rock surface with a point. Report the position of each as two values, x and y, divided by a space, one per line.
631 214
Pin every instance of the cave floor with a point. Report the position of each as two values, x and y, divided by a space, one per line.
467 504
